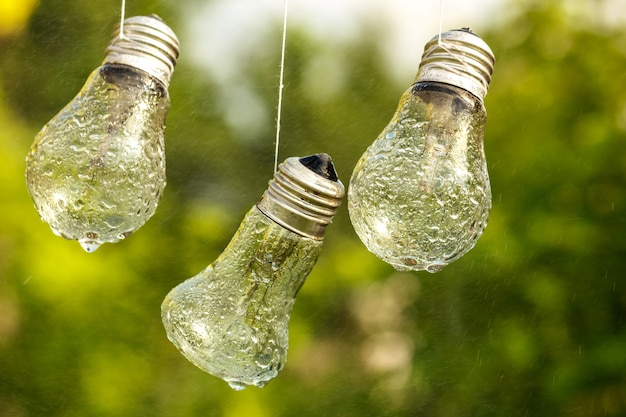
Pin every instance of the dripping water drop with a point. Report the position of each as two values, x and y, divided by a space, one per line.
435 267
236 385
89 245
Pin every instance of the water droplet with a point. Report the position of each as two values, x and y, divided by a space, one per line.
114 221
237 386
264 360
89 245
435 267
409 261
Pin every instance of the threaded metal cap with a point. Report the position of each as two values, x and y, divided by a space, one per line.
461 59
304 195
146 43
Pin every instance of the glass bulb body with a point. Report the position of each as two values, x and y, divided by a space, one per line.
231 320
419 197
96 171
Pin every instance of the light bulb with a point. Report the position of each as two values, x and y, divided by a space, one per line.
231 320
419 197
96 171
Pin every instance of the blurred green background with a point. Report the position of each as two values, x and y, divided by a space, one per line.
532 322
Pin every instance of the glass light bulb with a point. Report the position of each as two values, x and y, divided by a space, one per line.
419 197
96 171
231 320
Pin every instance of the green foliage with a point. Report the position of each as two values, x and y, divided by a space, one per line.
530 323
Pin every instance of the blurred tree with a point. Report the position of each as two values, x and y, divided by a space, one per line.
530 322
14 16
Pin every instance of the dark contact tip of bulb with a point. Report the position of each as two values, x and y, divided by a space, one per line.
321 164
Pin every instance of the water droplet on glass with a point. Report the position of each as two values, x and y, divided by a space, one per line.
264 360
89 245
113 221
237 386
409 261
435 267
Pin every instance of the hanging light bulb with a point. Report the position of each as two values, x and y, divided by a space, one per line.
419 197
231 320
96 171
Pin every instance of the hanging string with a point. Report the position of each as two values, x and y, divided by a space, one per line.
280 86
123 13
440 21
449 48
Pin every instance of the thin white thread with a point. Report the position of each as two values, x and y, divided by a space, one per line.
440 20
123 13
280 86
455 64
447 49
